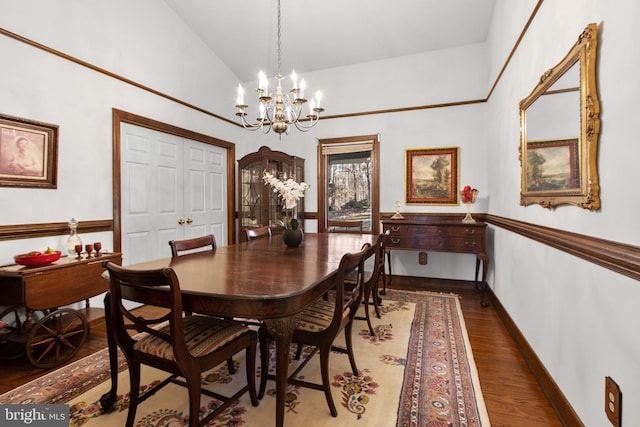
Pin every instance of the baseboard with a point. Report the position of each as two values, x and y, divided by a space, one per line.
556 398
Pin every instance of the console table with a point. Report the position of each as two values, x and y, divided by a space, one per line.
435 234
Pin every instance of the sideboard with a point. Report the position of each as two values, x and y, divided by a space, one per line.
440 234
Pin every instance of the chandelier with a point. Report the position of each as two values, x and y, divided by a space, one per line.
280 110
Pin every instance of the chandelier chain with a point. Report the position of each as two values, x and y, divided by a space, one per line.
279 43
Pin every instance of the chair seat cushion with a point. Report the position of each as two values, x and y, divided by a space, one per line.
202 335
318 316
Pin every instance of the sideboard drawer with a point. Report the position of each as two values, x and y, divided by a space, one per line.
408 229
435 243
439 236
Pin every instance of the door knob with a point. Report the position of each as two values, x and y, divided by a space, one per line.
181 221
189 220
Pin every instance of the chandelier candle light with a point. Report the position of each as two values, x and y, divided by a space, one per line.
278 111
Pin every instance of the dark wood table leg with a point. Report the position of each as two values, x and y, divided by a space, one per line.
108 400
282 330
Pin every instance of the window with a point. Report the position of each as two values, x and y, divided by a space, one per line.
348 184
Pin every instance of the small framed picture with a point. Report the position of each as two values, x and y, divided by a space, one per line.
28 153
432 176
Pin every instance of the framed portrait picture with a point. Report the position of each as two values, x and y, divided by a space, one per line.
432 176
28 153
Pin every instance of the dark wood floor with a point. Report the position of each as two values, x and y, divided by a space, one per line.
511 393
512 396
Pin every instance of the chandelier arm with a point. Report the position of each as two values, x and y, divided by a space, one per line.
255 126
303 128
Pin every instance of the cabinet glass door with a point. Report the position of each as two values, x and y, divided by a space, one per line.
251 195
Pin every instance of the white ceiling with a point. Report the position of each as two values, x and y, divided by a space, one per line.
325 34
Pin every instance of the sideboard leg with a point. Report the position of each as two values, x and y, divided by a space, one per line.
482 286
384 275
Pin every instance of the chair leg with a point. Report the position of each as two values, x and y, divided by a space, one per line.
134 393
230 367
298 352
366 314
377 301
326 384
349 342
193 385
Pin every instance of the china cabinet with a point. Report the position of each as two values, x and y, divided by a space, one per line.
258 204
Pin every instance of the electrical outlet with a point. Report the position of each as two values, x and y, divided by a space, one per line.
612 401
422 258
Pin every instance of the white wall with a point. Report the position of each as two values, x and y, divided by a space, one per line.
120 37
581 319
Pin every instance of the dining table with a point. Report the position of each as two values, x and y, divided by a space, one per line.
261 279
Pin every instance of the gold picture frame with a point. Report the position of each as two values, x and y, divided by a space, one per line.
28 153
432 176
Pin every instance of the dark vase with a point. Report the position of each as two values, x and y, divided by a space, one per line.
292 238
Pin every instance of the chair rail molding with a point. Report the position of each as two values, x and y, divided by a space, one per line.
620 257
28 231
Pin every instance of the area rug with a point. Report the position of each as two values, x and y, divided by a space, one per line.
418 370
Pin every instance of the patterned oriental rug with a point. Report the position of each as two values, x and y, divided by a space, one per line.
418 370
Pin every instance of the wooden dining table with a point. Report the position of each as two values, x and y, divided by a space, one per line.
259 279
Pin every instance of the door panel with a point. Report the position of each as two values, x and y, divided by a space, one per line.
166 178
206 192
151 193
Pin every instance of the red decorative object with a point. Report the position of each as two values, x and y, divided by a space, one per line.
37 258
468 196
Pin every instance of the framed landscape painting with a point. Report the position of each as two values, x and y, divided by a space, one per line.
432 176
28 153
552 166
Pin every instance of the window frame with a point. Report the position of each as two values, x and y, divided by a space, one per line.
375 179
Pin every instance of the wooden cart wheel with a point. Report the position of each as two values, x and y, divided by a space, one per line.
56 338
11 347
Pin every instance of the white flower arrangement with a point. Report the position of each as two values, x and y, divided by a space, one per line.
290 192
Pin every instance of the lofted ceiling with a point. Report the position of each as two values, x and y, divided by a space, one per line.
326 34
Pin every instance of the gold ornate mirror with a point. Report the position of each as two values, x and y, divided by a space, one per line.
559 127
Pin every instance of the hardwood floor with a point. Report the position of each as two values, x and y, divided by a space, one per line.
511 393
512 396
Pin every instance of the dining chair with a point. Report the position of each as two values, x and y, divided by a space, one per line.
257 233
320 324
184 346
181 247
197 244
372 277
